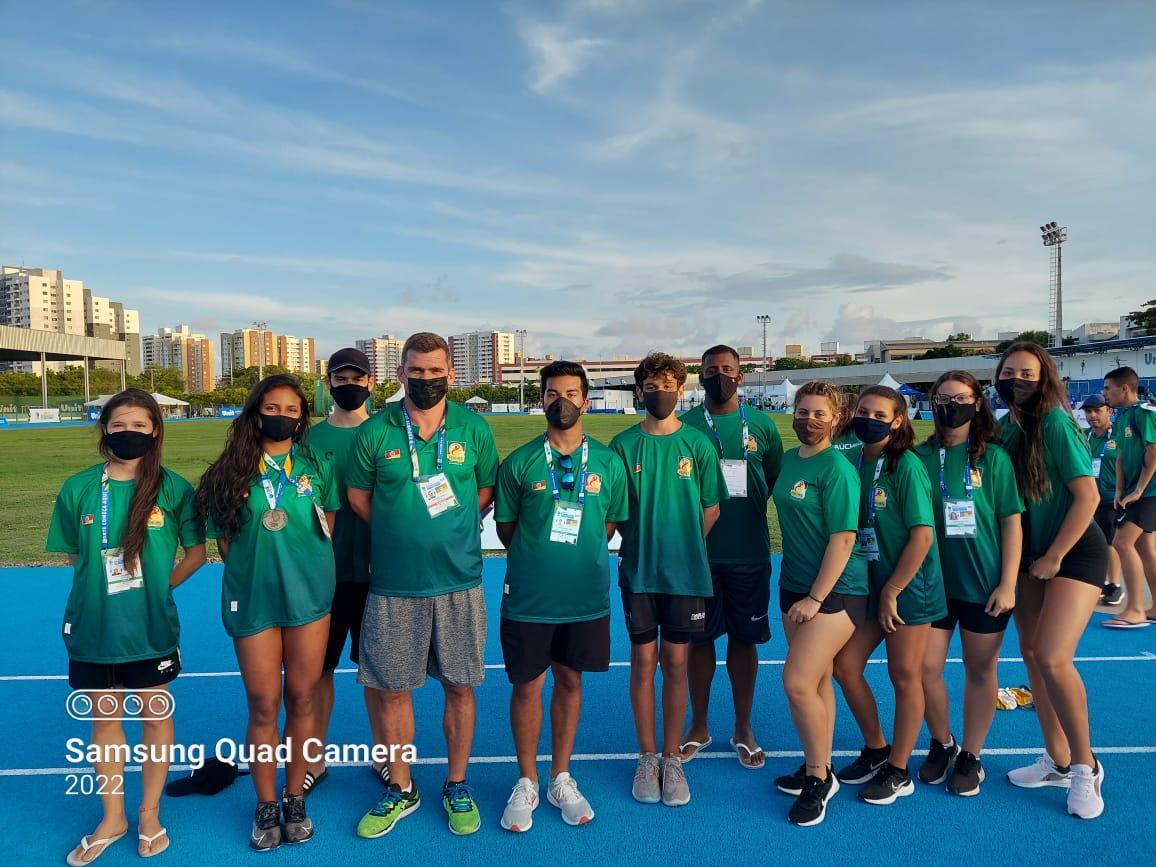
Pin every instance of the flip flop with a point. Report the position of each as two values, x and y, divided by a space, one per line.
748 763
696 745
1117 623
312 781
381 774
73 861
148 841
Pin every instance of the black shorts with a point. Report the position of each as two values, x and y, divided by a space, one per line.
1106 519
345 620
855 606
528 649
973 617
1087 561
680 617
1142 513
738 609
142 674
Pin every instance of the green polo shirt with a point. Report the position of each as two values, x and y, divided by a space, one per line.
1136 427
131 625
1066 457
281 578
414 554
972 567
740 535
815 498
1105 449
558 582
670 480
350 533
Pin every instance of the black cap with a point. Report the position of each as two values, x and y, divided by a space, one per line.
214 776
349 357
1094 401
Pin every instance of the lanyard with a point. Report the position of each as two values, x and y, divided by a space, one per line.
1104 447
554 477
874 482
274 496
104 509
714 432
413 445
966 472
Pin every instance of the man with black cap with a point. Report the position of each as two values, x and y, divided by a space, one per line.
349 383
1102 442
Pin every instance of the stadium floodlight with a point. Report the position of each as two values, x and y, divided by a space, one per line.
764 320
521 332
1054 235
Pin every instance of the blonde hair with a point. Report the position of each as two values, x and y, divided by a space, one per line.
822 388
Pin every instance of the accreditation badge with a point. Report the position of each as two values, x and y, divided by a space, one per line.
566 524
321 519
735 476
869 543
118 578
959 519
437 494
1096 467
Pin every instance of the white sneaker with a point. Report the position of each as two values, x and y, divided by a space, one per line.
519 813
1084 799
563 794
1043 772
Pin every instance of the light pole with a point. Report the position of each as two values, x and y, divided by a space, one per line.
521 332
764 320
1054 236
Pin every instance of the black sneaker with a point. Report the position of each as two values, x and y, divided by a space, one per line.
298 826
938 763
266 834
811 806
1112 594
864 767
888 784
792 783
966 776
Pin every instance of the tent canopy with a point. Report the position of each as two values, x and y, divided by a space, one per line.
161 399
890 381
476 400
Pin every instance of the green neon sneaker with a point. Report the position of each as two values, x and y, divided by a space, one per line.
458 799
394 806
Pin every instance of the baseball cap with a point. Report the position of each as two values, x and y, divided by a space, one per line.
349 357
1094 401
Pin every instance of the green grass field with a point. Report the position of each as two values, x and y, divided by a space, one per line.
37 461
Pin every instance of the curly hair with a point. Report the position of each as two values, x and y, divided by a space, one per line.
903 437
822 388
149 473
659 365
224 488
1027 453
983 428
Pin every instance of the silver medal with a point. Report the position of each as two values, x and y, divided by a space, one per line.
275 519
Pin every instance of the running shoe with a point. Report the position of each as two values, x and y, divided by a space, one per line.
563 794
810 808
1113 594
675 789
519 813
1042 772
792 783
647 788
298 825
863 768
966 776
266 834
937 765
394 806
1084 798
458 799
887 786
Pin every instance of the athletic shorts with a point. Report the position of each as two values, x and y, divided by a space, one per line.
1142 513
972 617
404 639
1106 519
528 649
1087 561
738 609
345 620
855 606
679 617
142 674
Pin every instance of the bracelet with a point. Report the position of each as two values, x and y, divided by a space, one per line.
813 599
896 589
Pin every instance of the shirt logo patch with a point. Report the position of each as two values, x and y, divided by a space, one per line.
799 490
1111 445
85 520
539 486
880 498
976 478
393 454
456 453
304 486
593 483
156 518
637 469
752 444
1127 433
685 465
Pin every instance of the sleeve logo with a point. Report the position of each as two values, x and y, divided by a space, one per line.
85 520
538 486
393 454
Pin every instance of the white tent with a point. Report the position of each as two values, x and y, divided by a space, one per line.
890 381
396 396
170 406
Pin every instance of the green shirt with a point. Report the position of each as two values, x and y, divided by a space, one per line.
1066 457
741 535
558 582
817 497
130 625
848 446
671 479
902 498
414 554
285 577
1137 431
972 567
350 533
1104 448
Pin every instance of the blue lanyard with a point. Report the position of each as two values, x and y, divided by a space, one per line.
104 509
274 497
874 482
413 445
554 477
1104 447
718 439
966 472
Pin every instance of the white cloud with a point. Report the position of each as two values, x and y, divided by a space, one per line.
558 54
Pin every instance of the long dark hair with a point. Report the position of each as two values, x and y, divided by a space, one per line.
845 412
1028 453
149 473
982 425
224 487
903 437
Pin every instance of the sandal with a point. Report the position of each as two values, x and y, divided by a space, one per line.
749 761
74 860
148 841
381 774
696 747
1120 623
311 781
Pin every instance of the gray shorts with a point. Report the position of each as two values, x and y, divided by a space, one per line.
405 638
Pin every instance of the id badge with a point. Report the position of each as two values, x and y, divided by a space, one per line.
566 524
438 495
1096 467
118 578
959 519
324 524
869 543
735 476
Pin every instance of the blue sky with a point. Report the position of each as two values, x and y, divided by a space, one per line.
612 175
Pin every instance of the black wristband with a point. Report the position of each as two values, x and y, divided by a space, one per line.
813 599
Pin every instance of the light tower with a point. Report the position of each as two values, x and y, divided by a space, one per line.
1054 236
764 320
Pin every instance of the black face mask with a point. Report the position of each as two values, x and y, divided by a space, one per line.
278 428
427 393
562 414
660 404
810 431
953 415
870 430
349 397
1020 393
720 388
128 445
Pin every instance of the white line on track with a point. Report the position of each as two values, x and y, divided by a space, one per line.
591 757
1143 656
